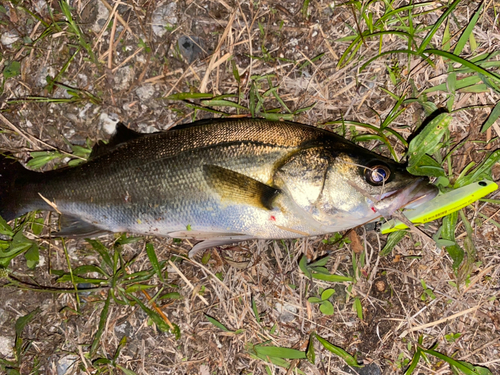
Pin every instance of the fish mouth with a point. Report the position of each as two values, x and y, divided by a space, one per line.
411 196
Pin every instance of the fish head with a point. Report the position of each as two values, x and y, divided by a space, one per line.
361 186
342 187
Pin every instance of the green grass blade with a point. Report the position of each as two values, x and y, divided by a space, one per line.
331 278
216 323
153 315
414 363
405 51
102 325
310 354
482 171
278 352
494 115
350 360
304 267
392 240
427 141
437 25
468 31
460 365
255 310
189 95
476 68
222 103
154 260
358 308
102 251
448 233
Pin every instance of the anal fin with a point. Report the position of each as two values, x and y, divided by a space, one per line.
217 241
72 226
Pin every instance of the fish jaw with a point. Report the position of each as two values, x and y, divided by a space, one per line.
411 196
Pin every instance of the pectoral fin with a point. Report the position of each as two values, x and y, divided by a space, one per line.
238 188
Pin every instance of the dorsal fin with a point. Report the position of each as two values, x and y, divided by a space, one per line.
122 135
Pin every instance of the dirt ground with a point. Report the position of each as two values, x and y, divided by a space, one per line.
162 48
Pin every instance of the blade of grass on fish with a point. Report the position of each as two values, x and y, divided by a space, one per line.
102 325
154 261
468 31
492 118
427 39
349 359
216 323
392 240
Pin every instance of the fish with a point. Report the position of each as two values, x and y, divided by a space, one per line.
220 181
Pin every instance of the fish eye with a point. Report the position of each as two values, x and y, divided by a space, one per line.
377 175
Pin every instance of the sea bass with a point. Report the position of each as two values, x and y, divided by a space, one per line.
220 181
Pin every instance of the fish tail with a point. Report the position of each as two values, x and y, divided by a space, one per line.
14 178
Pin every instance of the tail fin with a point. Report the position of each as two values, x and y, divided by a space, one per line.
13 177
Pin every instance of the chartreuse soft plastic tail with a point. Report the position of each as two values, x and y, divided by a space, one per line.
442 205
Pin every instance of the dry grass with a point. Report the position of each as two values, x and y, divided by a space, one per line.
390 289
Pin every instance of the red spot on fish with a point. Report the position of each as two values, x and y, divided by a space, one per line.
374 210
272 218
